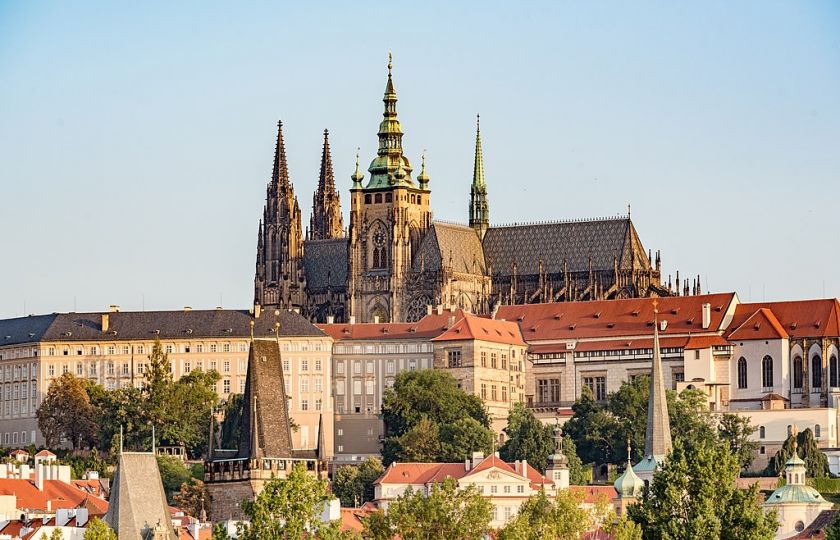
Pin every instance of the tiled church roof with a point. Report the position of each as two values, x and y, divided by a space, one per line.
325 263
574 241
798 318
445 241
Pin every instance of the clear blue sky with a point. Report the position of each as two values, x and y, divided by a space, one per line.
136 139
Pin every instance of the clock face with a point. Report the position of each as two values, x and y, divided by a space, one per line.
379 238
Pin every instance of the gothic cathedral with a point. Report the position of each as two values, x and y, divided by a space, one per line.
394 262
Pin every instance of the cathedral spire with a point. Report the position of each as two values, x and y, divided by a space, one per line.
326 221
479 205
280 172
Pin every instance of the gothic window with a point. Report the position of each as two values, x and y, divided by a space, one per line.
388 197
797 372
767 372
832 365
816 372
417 308
761 432
380 249
378 311
817 431
377 198
742 372
367 199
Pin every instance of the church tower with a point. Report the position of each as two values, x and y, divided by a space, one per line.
479 206
326 222
388 218
278 281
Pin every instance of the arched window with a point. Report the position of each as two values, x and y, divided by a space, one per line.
742 372
767 372
816 372
379 253
832 366
789 430
761 432
817 430
797 372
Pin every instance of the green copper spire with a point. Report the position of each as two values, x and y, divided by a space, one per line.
390 167
423 177
357 175
479 205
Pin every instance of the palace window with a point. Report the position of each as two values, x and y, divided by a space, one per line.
504 361
317 364
598 386
548 390
318 404
493 360
816 372
169 349
483 359
226 347
319 384
742 372
454 358
504 392
797 372
832 367
483 391
493 392
767 372
304 404
226 386
761 432
390 367
817 431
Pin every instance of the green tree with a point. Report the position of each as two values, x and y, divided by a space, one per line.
694 496
577 477
354 485
188 411
833 530
55 535
447 512
121 408
220 532
816 463
539 517
66 412
192 498
735 430
594 430
285 509
233 408
157 387
173 474
527 438
624 529
433 398
461 438
691 421
629 405
99 530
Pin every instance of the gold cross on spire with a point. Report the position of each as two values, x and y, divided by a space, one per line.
390 59
655 303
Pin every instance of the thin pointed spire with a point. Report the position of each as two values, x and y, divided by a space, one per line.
357 175
423 177
478 167
280 172
326 180
658 433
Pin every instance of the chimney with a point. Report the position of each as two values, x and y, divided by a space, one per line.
257 311
477 457
524 468
113 308
39 476
707 316
440 309
24 472
451 322
81 517
495 311
428 309
467 464
376 319
330 319
106 322
187 308
352 319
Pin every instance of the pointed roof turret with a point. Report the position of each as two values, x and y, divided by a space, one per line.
326 180
390 167
280 172
357 175
629 485
423 177
478 167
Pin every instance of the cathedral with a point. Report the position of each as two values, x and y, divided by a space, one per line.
393 261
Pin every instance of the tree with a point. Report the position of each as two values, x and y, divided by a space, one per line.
121 408
99 530
220 532
735 430
55 535
691 421
461 438
816 463
527 438
192 498
354 485
593 429
832 532
447 512
624 529
433 398
576 474
694 496
539 517
233 408
188 411
173 474
66 412
285 509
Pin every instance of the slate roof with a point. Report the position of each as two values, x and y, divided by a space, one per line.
445 241
574 241
137 502
325 263
24 329
264 388
131 325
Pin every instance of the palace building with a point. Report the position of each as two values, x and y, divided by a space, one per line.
393 260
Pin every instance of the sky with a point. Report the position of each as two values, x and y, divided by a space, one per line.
136 140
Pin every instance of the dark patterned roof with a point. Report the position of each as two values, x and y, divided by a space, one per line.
325 263
24 329
147 324
446 241
264 388
574 241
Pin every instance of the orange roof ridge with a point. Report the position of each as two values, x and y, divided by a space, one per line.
754 328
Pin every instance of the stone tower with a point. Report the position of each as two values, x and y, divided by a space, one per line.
326 222
479 205
388 218
278 281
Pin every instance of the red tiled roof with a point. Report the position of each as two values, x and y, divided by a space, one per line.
619 344
56 494
19 452
762 324
351 518
798 318
592 494
547 348
44 453
480 328
614 318
704 342
429 326
424 473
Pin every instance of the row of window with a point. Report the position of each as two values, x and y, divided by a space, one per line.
18 372
369 366
370 387
15 437
767 379
304 363
494 395
817 431
389 348
110 350
378 198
